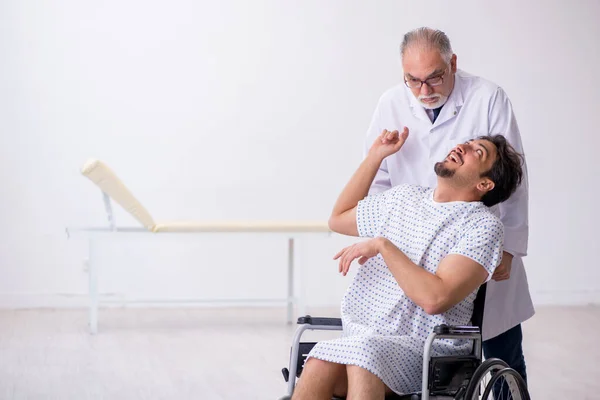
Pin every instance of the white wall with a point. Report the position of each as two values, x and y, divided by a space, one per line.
257 110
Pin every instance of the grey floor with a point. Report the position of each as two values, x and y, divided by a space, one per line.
231 353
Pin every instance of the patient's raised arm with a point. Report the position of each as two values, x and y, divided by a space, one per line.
343 216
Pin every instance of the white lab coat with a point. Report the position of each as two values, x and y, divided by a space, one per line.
475 107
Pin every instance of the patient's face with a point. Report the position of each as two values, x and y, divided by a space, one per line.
466 162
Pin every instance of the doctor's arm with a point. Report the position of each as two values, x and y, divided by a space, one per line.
343 216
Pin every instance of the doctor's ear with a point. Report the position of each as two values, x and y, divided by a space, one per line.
453 64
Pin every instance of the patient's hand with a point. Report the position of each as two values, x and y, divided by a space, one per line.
389 142
363 251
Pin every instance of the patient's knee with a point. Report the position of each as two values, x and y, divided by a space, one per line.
324 371
315 365
321 379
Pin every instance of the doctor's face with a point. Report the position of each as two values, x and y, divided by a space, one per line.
429 78
467 162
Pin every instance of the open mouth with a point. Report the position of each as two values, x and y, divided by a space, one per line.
455 157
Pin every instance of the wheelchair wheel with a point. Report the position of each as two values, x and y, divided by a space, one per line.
482 376
495 380
506 384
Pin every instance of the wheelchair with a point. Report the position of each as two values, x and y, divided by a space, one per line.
462 377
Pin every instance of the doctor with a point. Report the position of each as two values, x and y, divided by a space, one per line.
441 106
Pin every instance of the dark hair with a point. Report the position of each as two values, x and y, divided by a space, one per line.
506 172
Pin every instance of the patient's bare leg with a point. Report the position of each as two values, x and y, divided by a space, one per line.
364 385
321 380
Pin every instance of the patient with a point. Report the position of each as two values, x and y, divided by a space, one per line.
430 250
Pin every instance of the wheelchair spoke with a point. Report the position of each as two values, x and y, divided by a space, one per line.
482 377
506 384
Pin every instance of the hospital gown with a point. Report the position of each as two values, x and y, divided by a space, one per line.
383 330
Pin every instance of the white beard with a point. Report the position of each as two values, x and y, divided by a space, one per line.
441 100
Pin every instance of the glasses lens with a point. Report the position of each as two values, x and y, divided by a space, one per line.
435 81
413 83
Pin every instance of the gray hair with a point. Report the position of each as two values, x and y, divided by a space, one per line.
427 38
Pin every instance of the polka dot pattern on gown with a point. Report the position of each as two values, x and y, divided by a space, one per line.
384 331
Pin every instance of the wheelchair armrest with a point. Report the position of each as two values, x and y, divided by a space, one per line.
307 319
455 330
300 350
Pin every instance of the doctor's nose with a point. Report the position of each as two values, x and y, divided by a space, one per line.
426 89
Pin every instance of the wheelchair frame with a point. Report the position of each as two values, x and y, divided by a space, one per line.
440 332
435 384
434 368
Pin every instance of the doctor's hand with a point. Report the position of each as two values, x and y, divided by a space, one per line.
389 142
363 251
502 271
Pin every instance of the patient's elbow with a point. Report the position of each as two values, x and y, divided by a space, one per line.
334 223
343 224
432 310
435 307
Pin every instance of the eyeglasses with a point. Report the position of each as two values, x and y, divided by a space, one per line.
414 83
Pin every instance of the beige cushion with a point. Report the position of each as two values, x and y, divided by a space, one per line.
99 173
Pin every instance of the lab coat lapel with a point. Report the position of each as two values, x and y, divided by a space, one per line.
453 104
416 108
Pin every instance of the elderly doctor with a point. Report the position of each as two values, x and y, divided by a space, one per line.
442 106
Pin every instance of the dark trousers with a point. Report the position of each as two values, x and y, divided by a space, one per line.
508 347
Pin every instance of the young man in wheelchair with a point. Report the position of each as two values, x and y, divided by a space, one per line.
430 250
